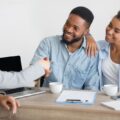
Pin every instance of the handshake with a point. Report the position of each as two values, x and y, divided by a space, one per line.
45 63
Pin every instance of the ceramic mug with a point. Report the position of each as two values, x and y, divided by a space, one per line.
55 87
110 89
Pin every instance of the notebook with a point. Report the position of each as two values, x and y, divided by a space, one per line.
112 104
27 93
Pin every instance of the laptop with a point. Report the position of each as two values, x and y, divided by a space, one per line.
27 93
11 63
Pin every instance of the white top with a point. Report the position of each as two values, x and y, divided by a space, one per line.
110 71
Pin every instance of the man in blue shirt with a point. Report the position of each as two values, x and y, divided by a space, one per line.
70 63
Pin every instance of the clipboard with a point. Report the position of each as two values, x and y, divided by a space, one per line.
77 97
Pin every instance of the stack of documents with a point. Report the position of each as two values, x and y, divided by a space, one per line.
112 104
75 96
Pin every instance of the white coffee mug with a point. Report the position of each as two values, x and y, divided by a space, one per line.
55 87
110 89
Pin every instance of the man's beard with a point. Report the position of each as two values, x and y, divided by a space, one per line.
73 40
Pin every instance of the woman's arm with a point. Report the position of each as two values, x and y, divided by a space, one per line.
91 47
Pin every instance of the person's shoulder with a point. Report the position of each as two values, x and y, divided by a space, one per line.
52 38
102 44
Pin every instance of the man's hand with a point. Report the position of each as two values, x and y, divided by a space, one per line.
9 102
47 73
91 47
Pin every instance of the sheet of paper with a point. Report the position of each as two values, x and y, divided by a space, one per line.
75 96
112 104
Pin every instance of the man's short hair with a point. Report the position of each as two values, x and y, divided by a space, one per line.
84 13
118 15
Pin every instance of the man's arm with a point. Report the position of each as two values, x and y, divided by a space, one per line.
42 51
93 79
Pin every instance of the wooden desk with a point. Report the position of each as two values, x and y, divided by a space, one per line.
44 107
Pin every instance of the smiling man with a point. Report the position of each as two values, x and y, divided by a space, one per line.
70 63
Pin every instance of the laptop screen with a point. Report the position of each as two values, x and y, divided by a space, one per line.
12 63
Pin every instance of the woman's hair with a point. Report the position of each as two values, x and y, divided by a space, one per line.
118 15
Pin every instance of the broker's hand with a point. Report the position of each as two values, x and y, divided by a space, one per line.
9 102
45 63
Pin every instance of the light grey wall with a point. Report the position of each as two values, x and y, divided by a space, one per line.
23 23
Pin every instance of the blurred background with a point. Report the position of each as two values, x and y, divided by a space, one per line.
24 23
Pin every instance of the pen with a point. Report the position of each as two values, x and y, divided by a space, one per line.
73 100
76 100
